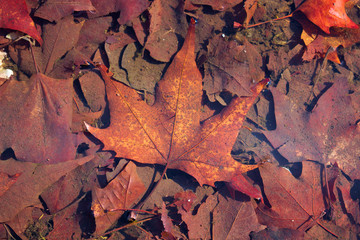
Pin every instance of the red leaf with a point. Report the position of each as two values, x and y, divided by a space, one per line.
122 192
327 13
329 133
6 181
129 9
54 10
170 131
35 119
14 15
294 202
34 179
185 199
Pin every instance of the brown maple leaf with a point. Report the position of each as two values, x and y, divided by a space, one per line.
330 133
170 131
34 179
295 203
326 14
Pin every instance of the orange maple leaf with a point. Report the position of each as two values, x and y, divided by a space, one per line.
170 131
326 14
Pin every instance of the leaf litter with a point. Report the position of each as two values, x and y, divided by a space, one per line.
166 168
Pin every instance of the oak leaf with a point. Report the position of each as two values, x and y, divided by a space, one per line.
326 14
329 133
170 131
14 15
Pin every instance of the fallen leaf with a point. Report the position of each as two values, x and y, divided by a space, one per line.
129 9
54 10
231 67
318 43
121 193
250 7
327 134
199 225
275 234
6 181
326 14
14 15
138 72
92 34
170 132
35 119
59 38
170 230
219 5
184 200
294 202
166 30
34 179
234 218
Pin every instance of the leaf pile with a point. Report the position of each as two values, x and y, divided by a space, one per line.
129 119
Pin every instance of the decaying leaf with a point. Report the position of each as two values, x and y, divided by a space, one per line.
14 15
54 10
121 192
294 203
326 14
167 24
34 179
329 133
35 119
170 132
231 67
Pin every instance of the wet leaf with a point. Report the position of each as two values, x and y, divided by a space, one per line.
14 15
170 132
326 14
129 9
34 179
122 192
35 119
329 133
294 203
166 30
231 67
54 10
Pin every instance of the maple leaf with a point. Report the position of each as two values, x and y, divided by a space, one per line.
231 67
170 131
58 39
326 14
14 15
35 119
295 202
329 133
34 179
122 192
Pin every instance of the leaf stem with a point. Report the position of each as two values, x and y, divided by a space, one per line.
269 21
